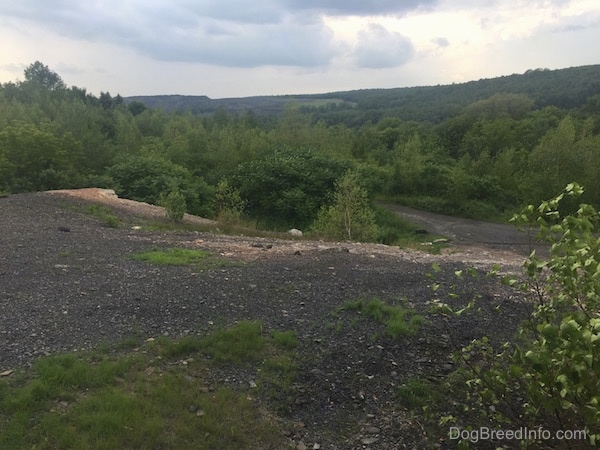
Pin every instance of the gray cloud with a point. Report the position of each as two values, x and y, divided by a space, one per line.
378 48
234 33
362 7
441 42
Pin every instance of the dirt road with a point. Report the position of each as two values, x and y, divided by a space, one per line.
468 232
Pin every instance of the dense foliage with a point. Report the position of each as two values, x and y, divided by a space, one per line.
510 142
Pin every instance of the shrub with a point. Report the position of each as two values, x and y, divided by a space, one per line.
174 204
549 376
350 217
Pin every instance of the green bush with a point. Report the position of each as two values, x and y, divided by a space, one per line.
286 187
549 376
350 217
174 204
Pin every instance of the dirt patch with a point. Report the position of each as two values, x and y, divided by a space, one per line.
109 197
70 283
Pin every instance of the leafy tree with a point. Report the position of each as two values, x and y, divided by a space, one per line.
350 217
287 186
40 75
408 167
229 205
136 108
174 204
35 159
146 178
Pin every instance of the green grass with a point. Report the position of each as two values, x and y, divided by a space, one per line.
399 321
182 257
153 398
416 393
285 339
104 214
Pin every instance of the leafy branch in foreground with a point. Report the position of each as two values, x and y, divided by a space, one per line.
548 376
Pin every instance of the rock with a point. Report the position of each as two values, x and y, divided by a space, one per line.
372 430
369 441
441 241
64 229
301 446
295 232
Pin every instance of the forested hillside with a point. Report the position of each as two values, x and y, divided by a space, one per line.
479 149
565 88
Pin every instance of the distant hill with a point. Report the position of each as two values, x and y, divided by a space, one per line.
563 88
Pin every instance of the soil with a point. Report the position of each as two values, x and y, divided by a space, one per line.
68 283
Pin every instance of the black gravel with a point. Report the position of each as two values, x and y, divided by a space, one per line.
68 283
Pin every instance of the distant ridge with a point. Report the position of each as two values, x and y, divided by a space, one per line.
563 88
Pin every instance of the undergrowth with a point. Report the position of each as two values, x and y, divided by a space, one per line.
155 396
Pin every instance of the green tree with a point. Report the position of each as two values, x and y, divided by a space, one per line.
286 187
35 159
350 217
40 75
408 168
148 178
229 205
174 204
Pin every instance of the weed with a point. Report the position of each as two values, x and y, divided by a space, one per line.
417 393
398 319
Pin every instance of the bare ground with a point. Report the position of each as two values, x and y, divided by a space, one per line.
69 283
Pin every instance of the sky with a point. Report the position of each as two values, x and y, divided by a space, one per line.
242 48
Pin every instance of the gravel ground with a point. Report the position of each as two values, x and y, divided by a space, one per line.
69 283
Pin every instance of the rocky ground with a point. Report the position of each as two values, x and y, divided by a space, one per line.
68 283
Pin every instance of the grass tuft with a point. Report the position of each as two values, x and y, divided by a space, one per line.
400 321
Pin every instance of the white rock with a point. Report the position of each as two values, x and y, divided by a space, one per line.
295 232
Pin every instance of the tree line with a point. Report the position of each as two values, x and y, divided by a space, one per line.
486 160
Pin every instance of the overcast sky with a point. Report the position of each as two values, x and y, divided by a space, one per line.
239 48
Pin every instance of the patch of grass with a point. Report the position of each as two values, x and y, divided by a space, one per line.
285 339
416 394
148 399
128 342
397 319
241 343
104 214
183 257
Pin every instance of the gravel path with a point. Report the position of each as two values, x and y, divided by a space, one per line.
69 283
